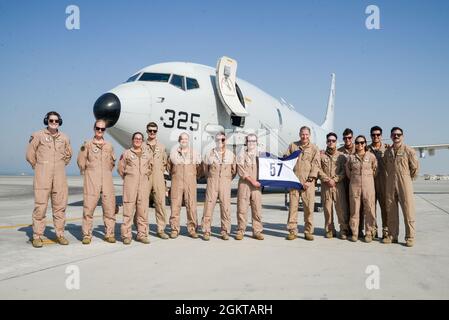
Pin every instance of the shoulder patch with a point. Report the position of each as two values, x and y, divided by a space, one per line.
31 139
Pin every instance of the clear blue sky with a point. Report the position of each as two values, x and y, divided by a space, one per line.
394 76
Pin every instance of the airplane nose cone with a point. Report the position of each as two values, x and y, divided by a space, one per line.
107 107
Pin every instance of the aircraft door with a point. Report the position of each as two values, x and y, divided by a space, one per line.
227 88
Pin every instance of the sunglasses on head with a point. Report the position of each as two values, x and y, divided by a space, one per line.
53 121
100 129
151 131
347 138
360 142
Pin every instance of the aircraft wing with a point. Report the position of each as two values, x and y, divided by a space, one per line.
430 148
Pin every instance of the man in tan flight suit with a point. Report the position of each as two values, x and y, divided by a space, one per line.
249 190
96 160
184 166
378 148
48 153
361 169
158 159
134 167
332 174
347 149
402 167
306 169
219 167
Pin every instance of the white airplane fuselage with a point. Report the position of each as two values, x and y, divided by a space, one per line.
201 114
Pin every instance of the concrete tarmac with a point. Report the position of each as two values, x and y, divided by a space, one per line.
187 268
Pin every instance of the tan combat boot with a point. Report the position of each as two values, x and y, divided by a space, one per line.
225 236
127 241
37 243
239 236
409 243
329 234
343 235
110 239
173 235
368 238
162 235
258 236
193 235
308 236
62 241
291 236
144 240
206 236
86 240
353 238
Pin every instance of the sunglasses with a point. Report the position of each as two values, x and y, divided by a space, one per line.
360 142
53 121
222 140
100 129
375 134
397 134
331 141
347 138
152 131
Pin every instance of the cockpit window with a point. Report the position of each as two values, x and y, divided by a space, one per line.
133 78
155 77
192 84
177 81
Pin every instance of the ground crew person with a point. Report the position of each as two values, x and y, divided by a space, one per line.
249 190
361 169
332 175
48 153
306 169
134 167
219 167
158 159
96 160
402 167
377 147
184 166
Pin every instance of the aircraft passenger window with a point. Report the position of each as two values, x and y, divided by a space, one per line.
177 81
192 84
155 77
133 78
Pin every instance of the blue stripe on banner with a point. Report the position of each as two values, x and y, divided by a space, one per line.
281 184
287 158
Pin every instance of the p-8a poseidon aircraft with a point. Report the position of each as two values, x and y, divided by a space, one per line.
200 100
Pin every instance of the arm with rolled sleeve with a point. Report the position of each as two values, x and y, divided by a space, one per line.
81 160
413 163
31 150
315 165
121 166
68 152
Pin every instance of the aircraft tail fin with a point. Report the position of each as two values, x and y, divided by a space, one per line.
328 123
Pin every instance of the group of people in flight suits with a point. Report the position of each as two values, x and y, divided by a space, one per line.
352 177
